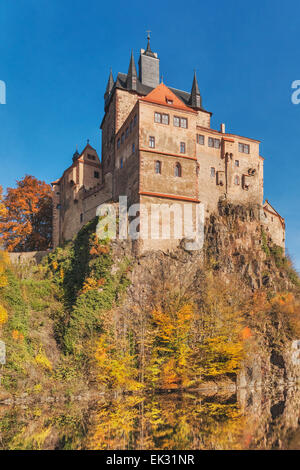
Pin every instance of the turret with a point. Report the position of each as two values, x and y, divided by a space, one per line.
109 86
195 98
132 74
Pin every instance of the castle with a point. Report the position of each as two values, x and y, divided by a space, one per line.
158 147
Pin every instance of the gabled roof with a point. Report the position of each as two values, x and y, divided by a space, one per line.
267 206
164 96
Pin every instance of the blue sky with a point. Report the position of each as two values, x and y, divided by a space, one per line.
55 58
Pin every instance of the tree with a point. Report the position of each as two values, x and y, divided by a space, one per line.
26 219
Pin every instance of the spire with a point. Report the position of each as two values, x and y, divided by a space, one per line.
195 98
75 155
148 49
132 75
110 85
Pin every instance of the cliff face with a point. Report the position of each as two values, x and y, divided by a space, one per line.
238 251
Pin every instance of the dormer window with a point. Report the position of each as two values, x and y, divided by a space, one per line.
169 101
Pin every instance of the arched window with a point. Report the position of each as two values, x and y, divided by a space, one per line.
236 180
178 170
158 167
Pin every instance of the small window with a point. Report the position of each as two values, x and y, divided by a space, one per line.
201 139
216 143
81 218
176 121
134 120
177 171
169 101
212 172
165 118
133 148
91 157
96 174
58 206
244 148
236 180
158 167
121 162
152 142
130 126
118 143
182 147
183 123
127 132
157 117
122 138
237 163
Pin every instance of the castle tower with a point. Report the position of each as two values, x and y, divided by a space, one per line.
149 67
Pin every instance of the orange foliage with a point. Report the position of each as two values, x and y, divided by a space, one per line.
17 336
246 333
98 248
26 222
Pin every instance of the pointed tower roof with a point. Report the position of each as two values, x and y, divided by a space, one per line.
110 84
195 98
148 48
163 95
132 74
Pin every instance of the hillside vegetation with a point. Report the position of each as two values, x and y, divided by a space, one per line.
95 317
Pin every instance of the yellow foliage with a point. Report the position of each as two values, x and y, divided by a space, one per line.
91 284
115 367
4 263
3 315
43 360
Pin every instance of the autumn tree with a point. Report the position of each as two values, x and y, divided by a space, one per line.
26 218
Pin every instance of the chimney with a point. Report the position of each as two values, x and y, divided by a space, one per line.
222 128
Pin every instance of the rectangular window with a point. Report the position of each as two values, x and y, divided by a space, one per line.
237 163
183 123
216 143
122 138
119 143
165 118
121 162
201 139
133 148
169 101
212 172
130 126
157 117
127 132
91 157
182 147
81 218
176 121
152 142
96 174
134 120
244 148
